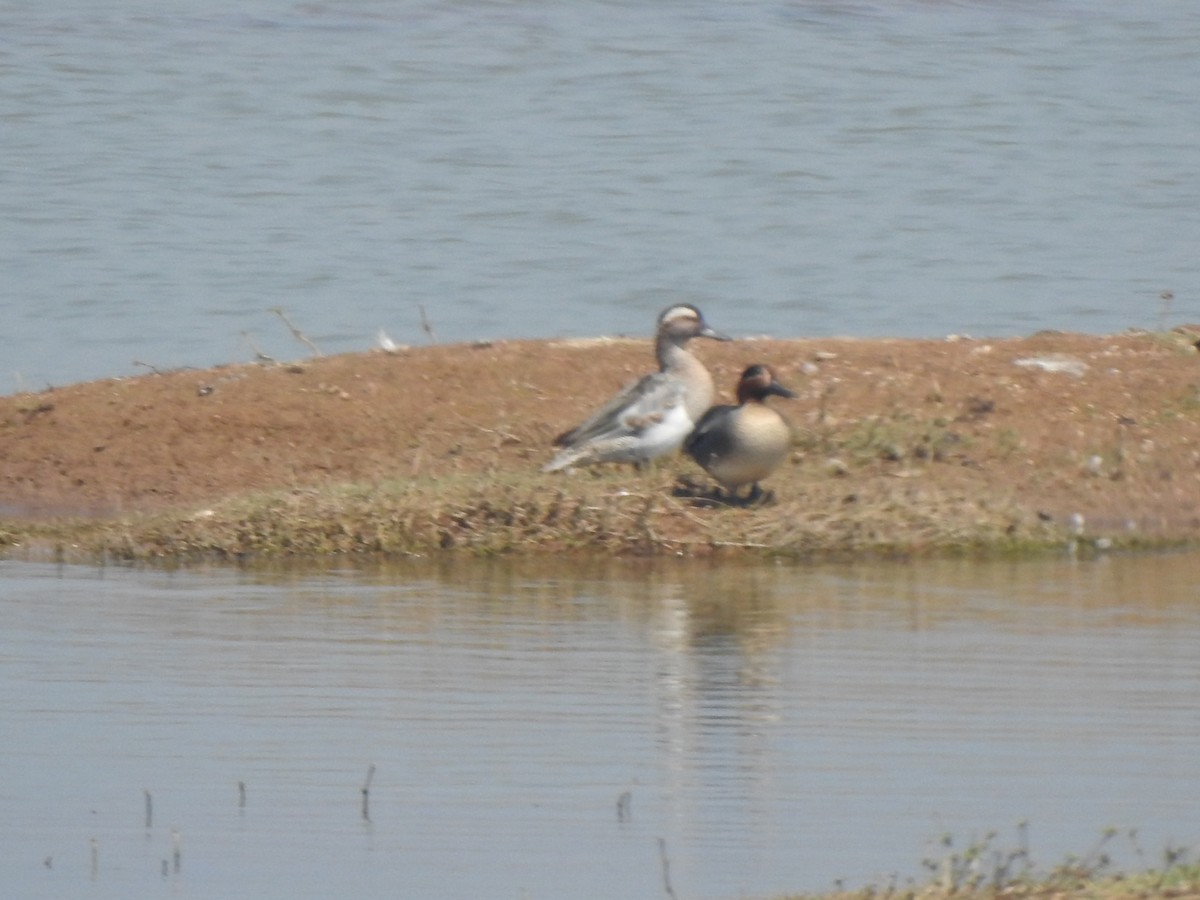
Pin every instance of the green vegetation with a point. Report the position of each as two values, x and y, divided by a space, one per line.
984 870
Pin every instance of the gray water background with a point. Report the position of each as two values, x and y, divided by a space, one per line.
777 727
169 171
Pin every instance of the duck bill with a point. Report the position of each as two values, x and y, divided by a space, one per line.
714 334
780 391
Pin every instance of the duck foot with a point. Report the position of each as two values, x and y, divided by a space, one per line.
686 488
756 497
708 498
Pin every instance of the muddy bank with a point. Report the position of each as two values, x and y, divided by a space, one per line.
901 446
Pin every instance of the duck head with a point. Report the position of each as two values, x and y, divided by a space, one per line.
758 382
682 322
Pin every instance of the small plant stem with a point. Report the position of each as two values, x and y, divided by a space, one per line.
666 867
259 356
296 332
366 794
425 326
624 806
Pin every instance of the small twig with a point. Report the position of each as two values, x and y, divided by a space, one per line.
158 371
823 403
296 332
504 434
1096 859
149 810
241 795
1164 310
259 356
625 806
366 793
425 326
176 849
666 867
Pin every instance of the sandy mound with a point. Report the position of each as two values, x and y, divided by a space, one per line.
1061 425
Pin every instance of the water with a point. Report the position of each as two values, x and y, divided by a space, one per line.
777 727
534 169
170 171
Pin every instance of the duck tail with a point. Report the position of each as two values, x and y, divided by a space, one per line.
564 459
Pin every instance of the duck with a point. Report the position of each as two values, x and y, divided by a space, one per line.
649 417
743 444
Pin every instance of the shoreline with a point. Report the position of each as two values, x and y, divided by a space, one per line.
902 448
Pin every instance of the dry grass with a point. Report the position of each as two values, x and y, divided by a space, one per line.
609 512
902 448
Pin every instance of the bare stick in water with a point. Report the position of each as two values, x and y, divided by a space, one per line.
95 857
259 356
425 326
366 793
241 795
149 810
625 806
1164 312
176 849
296 332
666 867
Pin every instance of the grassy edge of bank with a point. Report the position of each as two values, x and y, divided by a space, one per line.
1180 882
983 870
610 513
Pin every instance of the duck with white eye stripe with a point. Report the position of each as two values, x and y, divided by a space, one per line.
650 417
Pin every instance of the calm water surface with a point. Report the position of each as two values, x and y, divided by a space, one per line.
520 168
778 728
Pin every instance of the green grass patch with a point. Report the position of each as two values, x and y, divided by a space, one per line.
985 869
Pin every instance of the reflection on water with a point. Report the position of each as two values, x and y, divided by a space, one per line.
777 727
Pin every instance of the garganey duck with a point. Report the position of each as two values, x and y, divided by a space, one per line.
743 444
652 416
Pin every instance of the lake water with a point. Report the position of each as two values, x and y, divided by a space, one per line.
169 171
523 168
776 727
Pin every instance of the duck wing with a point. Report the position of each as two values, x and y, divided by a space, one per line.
712 438
637 406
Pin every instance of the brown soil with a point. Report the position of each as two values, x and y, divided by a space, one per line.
1047 429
